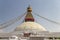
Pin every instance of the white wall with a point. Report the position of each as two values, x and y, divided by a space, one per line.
3 39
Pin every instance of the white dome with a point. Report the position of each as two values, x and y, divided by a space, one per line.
30 26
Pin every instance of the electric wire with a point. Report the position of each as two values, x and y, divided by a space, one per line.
10 22
47 19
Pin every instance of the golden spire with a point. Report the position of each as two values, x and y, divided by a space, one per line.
29 9
29 16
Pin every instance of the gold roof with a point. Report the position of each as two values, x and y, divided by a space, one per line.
29 15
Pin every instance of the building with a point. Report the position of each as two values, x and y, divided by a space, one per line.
30 30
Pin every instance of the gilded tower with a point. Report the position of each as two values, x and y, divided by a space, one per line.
29 16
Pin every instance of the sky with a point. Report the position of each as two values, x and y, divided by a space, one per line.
50 9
